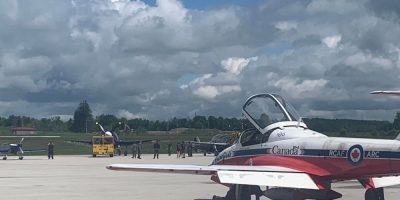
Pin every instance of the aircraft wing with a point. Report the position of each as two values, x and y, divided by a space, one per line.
34 150
232 174
394 93
82 142
4 149
130 142
378 182
210 143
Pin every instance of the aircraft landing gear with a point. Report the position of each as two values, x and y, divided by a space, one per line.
21 157
241 192
5 157
374 194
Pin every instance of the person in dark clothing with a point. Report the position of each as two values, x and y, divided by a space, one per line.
126 151
169 149
119 150
156 148
50 150
139 150
190 150
178 150
134 150
183 148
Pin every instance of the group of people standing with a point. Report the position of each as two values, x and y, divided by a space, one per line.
137 150
182 149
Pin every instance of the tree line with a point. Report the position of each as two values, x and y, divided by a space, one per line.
84 121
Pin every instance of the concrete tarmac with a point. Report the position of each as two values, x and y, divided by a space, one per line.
84 177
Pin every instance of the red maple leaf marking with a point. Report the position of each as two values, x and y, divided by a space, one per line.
355 154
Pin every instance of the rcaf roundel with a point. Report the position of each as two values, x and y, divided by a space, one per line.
355 154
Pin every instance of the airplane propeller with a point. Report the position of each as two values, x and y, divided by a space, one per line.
20 147
101 127
103 130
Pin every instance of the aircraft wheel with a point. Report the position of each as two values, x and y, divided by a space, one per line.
21 158
218 198
111 155
205 153
374 194
5 158
94 155
237 192
242 192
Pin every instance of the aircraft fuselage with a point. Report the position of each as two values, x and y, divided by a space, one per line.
331 158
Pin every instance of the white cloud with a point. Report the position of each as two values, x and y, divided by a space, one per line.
304 89
211 92
128 115
332 41
9 10
128 55
26 74
286 25
197 81
235 65
208 92
360 59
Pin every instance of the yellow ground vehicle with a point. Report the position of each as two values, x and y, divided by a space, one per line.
103 145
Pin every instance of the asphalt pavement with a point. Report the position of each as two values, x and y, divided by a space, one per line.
84 177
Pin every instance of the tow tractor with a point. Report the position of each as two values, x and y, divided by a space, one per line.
103 145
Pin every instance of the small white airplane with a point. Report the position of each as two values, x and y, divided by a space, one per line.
293 161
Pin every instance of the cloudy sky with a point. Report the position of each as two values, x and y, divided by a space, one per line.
166 58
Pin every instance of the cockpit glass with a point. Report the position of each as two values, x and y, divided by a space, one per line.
289 108
264 110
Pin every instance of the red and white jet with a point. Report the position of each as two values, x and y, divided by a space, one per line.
293 161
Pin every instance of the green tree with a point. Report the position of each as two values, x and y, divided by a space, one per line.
83 118
107 121
343 132
199 122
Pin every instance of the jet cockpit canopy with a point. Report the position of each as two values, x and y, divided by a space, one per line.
270 111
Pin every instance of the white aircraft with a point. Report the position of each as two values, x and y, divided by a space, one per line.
293 161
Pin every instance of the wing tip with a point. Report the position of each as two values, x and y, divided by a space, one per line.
112 167
375 92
